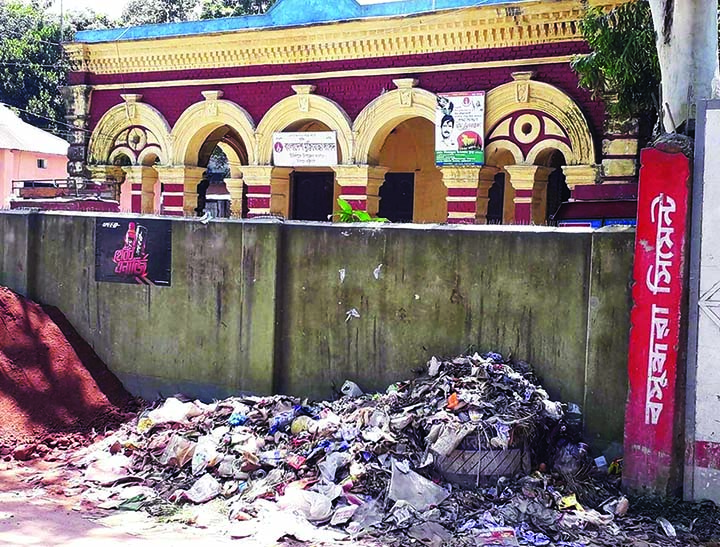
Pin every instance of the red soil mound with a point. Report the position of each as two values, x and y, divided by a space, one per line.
51 382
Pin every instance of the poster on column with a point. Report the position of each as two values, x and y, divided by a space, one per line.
133 250
305 149
460 128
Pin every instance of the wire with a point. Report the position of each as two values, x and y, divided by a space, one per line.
26 63
23 34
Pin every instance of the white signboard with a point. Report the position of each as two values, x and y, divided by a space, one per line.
460 128
308 149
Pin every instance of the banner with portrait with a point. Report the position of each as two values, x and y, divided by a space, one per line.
460 128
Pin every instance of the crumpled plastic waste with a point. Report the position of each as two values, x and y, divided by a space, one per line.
416 490
376 464
205 489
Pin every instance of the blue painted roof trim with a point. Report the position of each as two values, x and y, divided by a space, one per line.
285 13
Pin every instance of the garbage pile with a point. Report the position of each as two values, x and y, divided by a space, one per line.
472 453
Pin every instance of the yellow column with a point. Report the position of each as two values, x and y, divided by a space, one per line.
235 187
530 185
360 186
268 190
462 184
142 180
487 178
179 183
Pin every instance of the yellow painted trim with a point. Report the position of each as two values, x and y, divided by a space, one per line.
474 27
533 95
202 118
304 106
120 117
385 113
353 73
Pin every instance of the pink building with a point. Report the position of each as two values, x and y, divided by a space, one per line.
27 153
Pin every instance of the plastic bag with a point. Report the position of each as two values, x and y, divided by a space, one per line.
205 489
351 389
415 489
173 411
332 462
205 455
178 452
312 505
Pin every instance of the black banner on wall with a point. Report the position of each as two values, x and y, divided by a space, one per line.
137 251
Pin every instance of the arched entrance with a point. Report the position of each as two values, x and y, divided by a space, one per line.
213 141
396 132
135 137
301 191
413 190
534 131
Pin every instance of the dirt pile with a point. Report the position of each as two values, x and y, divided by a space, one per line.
53 387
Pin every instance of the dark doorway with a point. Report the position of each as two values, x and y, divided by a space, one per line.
397 197
312 195
496 201
557 189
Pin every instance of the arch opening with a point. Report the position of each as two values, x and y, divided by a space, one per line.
413 190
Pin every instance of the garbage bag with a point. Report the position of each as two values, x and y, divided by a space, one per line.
205 489
312 505
174 411
415 489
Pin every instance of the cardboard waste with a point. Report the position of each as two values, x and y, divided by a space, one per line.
375 465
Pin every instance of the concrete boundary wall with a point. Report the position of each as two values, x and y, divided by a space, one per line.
263 306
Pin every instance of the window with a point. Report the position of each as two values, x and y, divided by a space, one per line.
42 164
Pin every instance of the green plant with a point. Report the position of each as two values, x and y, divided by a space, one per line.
623 63
348 214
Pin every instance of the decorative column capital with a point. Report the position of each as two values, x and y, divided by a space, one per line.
259 175
461 177
578 175
360 185
525 177
352 175
180 174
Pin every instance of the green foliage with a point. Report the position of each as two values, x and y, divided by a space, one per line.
348 214
214 9
32 63
150 12
623 63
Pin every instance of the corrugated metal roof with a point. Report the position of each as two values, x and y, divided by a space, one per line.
285 13
15 134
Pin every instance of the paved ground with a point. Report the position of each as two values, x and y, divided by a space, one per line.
35 511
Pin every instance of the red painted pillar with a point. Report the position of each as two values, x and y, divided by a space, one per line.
654 417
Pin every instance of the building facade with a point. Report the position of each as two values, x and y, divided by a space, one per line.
27 153
158 101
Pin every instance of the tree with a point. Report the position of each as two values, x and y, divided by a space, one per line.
623 64
687 44
150 12
214 9
32 63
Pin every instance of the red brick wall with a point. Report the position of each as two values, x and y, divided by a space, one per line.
352 93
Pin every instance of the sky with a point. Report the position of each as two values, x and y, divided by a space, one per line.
114 8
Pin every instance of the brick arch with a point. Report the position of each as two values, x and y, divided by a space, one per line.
381 116
131 113
202 118
304 106
525 94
